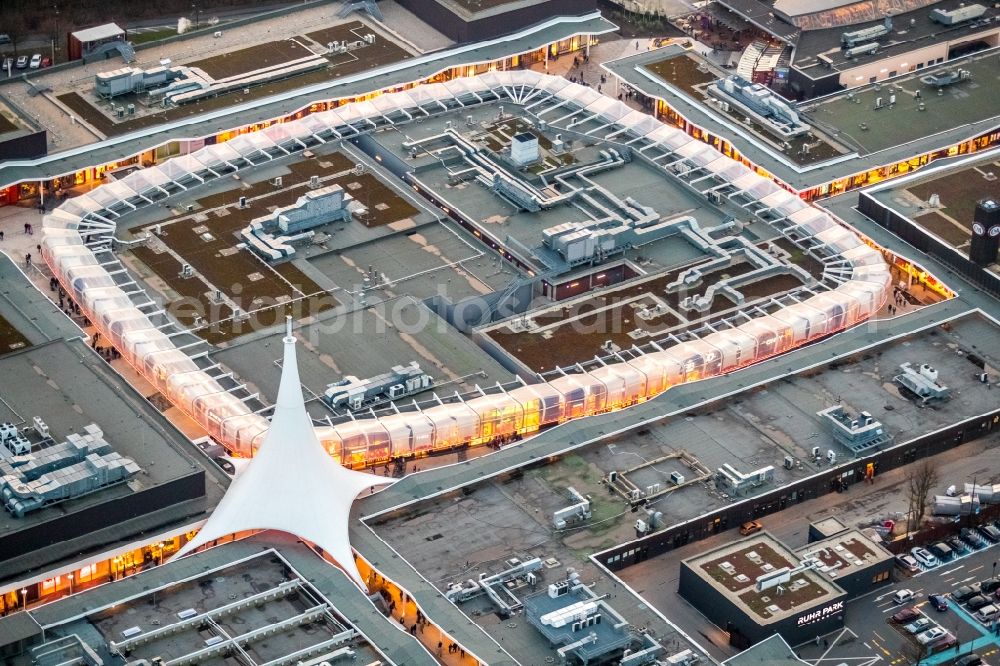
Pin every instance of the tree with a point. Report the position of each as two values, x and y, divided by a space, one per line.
14 27
920 480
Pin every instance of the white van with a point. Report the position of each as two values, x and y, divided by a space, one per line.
902 596
987 614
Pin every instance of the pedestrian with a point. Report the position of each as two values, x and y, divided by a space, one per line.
1 234
27 260
26 227
637 45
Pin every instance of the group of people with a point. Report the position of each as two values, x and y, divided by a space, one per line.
899 298
419 625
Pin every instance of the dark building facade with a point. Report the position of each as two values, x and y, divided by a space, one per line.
460 22
746 627
24 146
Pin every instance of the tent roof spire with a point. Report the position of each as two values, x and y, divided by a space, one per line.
292 485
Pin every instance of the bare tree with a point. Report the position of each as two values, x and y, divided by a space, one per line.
13 27
920 480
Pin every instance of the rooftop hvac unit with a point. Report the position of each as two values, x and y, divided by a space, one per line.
558 589
217 34
40 426
243 202
18 446
676 478
313 182
7 431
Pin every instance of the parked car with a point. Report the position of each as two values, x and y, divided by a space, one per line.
988 613
751 527
46 61
957 545
22 62
972 659
5 39
942 551
939 602
902 596
907 563
919 625
961 594
991 533
973 538
931 635
977 602
988 586
946 642
36 61
906 615
924 556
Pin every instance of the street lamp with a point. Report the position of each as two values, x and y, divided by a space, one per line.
24 598
70 584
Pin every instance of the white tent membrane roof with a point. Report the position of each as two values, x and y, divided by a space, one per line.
292 485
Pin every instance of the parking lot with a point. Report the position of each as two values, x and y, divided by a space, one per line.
870 635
